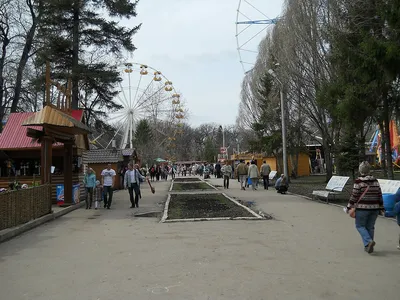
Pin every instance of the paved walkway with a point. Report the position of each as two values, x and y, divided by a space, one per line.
311 251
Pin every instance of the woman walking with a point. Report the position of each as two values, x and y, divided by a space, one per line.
253 175
367 200
90 183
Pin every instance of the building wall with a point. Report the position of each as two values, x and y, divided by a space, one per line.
303 165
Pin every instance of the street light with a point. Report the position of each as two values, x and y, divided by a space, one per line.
283 113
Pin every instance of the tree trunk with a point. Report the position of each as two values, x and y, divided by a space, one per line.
328 159
24 57
386 135
383 151
3 101
75 55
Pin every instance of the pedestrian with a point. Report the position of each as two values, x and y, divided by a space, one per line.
90 183
98 194
242 174
264 171
227 173
282 185
253 174
366 199
132 183
108 182
247 179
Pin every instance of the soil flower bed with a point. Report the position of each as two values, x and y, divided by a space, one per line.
189 179
205 206
188 186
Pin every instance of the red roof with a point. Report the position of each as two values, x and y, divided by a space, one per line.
14 134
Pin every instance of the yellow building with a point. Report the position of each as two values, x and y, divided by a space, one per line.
303 168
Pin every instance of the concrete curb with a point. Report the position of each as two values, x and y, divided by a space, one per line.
333 204
9 233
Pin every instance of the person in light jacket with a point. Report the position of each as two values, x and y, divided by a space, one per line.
227 172
253 174
265 170
132 183
90 183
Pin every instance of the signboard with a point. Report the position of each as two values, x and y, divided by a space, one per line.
337 183
60 194
272 174
222 150
389 186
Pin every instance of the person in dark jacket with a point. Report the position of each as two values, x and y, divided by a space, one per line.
367 199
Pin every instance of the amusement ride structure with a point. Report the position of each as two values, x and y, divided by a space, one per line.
146 93
251 26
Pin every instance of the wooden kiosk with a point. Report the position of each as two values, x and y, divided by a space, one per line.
57 126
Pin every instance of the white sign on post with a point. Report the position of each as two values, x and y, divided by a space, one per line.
272 174
337 183
389 186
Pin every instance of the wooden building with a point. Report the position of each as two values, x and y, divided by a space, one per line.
20 155
98 159
303 168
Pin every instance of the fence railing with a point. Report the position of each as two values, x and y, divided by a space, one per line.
19 207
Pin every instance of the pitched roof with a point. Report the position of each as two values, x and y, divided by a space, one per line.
99 156
14 136
127 152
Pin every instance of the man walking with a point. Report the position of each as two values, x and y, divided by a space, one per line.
264 171
108 181
242 170
132 183
227 172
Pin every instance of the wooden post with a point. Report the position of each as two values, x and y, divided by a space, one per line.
48 84
68 173
46 159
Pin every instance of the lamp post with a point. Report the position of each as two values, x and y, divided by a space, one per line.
283 116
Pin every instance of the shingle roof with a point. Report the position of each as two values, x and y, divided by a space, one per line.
14 134
103 156
127 152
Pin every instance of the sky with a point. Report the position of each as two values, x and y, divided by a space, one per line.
193 43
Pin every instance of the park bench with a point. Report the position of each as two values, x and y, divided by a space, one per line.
334 187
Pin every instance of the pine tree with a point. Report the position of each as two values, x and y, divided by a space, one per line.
71 28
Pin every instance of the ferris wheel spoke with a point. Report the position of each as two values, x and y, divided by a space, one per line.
144 93
125 101
249 40
149 97
116 133
256 9
137 90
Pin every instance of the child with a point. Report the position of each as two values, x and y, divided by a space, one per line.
98 194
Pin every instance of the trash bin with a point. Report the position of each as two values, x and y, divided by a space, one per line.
389 200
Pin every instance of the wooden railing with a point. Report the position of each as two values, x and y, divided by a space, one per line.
19 207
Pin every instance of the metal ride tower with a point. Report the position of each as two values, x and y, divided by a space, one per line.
248 19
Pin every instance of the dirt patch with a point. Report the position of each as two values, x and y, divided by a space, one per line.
190 179
187 186
204 206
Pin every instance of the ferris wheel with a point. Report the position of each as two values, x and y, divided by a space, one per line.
145 93
252 23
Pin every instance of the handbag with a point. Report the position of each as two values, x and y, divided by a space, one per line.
352 211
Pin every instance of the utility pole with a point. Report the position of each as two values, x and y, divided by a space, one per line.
283 117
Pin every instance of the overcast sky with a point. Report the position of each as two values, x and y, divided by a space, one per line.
193 43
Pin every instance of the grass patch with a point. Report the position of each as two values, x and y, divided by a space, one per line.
306 185
191 186
204 206
189 179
